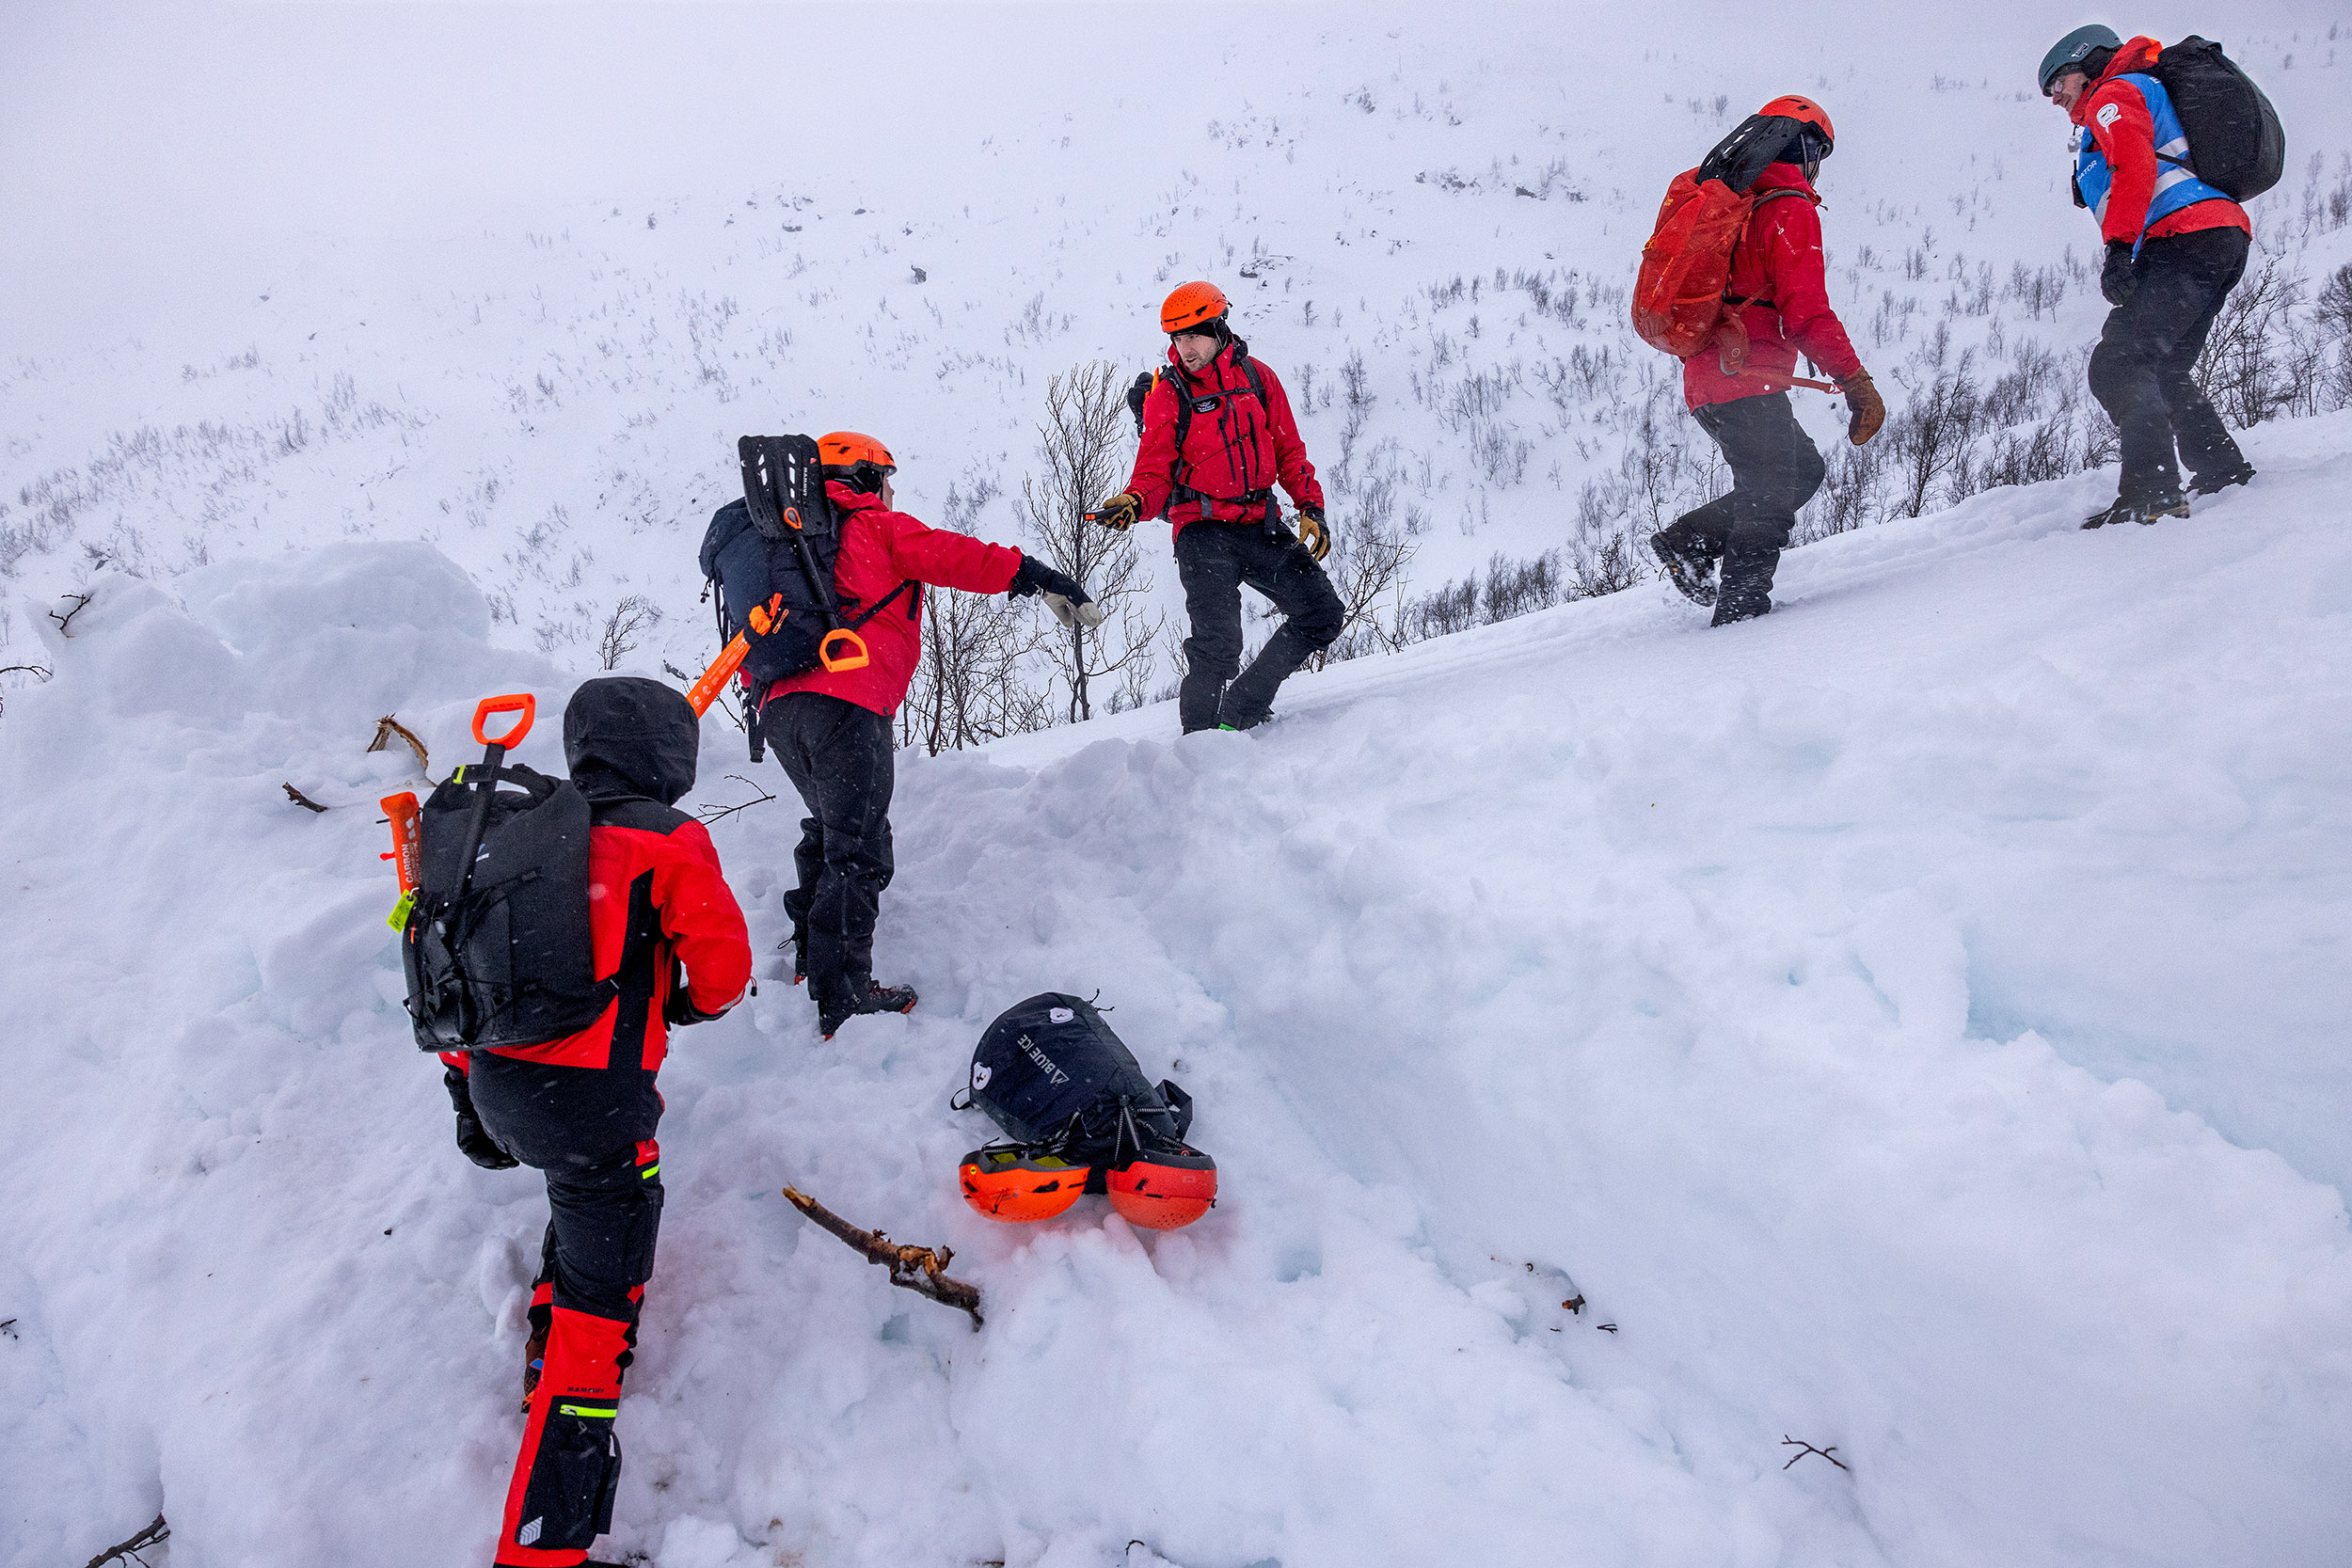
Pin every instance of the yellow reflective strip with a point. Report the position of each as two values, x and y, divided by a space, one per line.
654 1170
398 919
587 1410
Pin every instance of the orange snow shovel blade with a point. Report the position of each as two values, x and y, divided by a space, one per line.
706 690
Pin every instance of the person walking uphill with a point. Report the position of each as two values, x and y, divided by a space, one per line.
830 729
1776 305
2175 247
1217 434
583 1109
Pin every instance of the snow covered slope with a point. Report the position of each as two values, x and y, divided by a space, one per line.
1912 1022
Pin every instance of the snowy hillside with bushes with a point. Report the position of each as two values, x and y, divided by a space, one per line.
1863 1088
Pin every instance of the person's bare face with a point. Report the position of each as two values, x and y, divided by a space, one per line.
2067 89
1194 350
889 500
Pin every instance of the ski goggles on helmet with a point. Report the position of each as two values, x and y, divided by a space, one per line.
1019 1184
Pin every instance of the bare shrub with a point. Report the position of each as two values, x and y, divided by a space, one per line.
629 621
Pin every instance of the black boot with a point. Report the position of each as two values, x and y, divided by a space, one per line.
1693 573
2164 503
2221 480
866 998
1746 588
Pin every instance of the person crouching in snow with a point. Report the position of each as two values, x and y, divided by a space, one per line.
1217 434
830 729
2176 246
583 1109
1779 286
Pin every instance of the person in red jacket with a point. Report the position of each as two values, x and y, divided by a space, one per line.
583 1109
2175 247
831 729
1781 293
1218 435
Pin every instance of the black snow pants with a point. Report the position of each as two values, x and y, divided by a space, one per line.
2140 372
1215 559
591 1132
1775 469
839 756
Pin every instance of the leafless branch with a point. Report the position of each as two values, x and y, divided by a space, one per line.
155 1534
301 799
920 1269
715 813
630 619
1829 1453
65 622
1084 442
389 726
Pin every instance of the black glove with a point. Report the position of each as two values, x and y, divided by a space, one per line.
2117 282
1070 603
473 1141
678 1009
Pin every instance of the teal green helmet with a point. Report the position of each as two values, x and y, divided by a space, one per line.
2069 51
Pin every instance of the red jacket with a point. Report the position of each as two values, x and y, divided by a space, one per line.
647 857
2127 137
1236 444
881 549
1778 263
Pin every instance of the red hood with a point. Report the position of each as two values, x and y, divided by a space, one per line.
848 500
2137 53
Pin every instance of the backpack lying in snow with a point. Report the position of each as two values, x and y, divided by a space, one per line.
2235 142
777 547
510 962
1083 1119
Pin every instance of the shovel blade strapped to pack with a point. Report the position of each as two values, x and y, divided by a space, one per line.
1083 1119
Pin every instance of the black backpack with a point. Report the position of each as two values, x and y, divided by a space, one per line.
2235 142
510 963
783 540
1053 1075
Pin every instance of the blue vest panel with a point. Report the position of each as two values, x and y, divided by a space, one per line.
2176 187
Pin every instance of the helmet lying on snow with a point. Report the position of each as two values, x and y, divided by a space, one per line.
1082 1119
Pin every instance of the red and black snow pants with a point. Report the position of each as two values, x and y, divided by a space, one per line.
604 1211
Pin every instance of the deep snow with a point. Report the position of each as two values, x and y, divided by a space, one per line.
1908 1019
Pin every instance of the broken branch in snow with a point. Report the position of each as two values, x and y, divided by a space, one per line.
1829 1453
389 726
154 1534
65 622
919 1269
714 813
301 799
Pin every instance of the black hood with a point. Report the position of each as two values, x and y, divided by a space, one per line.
624 734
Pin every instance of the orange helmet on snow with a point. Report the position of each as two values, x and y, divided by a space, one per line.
1017 1185
1163 1190
1794 106
1191 305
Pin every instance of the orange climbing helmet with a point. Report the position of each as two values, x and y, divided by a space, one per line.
1164 1189
1019 1184
856 459
1193 305
1794 106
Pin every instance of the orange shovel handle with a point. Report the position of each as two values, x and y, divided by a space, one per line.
835 663
515 702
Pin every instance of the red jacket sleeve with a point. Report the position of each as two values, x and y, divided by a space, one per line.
1290 453
947 560
1792 247
702 920
2119 121
1155 473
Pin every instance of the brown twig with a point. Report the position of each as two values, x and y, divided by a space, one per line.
154 1534
389 726
301 799
714 813
81 602
1829 1453
919 1269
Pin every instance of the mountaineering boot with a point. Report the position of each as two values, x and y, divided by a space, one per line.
2168 503
1746 588
1692 575
2221 480
872 998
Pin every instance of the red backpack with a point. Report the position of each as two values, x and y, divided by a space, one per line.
1679 300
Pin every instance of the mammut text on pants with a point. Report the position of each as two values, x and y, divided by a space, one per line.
839 755
1215 559
2141 370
